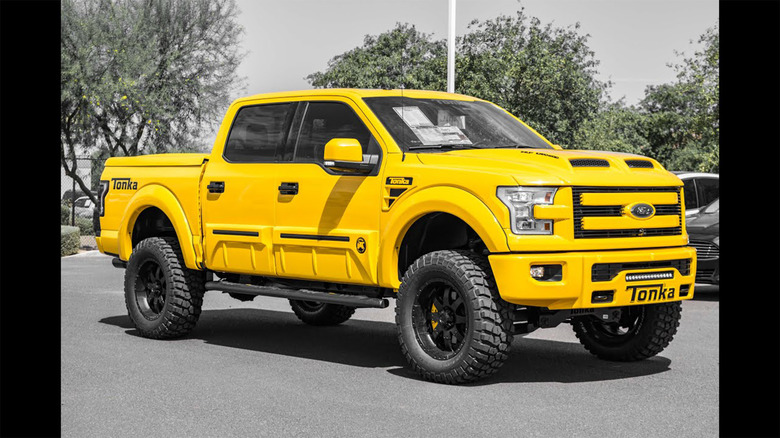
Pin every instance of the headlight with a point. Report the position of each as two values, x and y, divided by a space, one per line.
521 201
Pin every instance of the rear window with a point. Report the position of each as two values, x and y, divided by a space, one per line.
259 133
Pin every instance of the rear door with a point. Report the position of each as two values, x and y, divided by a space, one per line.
327 222
238 195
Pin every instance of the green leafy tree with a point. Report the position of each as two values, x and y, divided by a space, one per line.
401 57
143 76
544 74
615 128
683 117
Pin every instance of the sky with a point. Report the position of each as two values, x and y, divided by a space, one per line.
634 40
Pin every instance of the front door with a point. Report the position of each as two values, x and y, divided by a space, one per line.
326 224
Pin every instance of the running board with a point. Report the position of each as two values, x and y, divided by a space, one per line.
295 294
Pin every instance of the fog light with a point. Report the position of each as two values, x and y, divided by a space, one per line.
537 271
547 272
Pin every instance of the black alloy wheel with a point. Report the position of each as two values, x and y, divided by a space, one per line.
642 332
439 319
151 289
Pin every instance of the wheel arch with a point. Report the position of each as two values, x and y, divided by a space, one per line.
149 205
423 206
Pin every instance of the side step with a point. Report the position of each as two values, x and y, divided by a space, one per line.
294 294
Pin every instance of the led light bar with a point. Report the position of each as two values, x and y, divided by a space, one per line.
650 276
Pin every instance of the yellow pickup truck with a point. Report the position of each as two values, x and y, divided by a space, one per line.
336 199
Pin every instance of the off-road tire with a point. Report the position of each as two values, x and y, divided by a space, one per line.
649 329
476 314
314 313
173 308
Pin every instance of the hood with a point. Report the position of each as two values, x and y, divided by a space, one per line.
558 167
704 223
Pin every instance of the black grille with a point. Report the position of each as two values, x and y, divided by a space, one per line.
588 162
640 163
608 271
704 275
582 211
705 250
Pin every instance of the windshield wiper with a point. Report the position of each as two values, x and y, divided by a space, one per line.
516 146
439 146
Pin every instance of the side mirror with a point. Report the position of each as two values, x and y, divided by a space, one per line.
347 154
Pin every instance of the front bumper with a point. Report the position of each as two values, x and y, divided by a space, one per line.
582 286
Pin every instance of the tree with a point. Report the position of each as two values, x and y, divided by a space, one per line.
402 57
143 76
545 75
614 128
684 116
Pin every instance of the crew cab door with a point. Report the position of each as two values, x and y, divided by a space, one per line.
238 191
326 222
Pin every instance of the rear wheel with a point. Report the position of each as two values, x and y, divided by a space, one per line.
642 332
453 327
163 297
314 313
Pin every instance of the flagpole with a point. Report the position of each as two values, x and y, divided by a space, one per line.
451 49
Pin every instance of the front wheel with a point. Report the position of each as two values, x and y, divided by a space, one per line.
453 327
642 332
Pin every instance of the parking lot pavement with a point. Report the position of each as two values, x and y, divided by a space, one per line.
252 369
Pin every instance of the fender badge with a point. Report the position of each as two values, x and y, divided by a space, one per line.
361 245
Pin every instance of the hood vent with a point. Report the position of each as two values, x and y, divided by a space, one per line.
645 164
588 162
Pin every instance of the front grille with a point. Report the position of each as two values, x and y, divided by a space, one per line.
588 162
705 250
608 271
582 211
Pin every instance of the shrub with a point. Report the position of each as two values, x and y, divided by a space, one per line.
64 214
69 240
85 226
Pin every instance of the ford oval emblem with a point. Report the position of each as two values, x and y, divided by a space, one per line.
642 210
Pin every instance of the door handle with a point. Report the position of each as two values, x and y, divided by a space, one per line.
216 187
289 188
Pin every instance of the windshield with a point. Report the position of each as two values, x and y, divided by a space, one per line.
438 124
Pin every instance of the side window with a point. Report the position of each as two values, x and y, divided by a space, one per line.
689 193
708 189
259 132
324 121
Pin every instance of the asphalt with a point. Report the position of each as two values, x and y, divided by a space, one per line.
252 369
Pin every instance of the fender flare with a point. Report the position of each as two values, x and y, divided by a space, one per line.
441 199
155 195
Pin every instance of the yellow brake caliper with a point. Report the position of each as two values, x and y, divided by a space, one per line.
434 310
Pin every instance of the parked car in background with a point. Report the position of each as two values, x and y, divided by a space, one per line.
700 189
704 236
84 207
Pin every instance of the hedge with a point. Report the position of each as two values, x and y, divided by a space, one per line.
69 240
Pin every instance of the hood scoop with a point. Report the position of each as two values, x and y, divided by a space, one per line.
644 164
588 162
